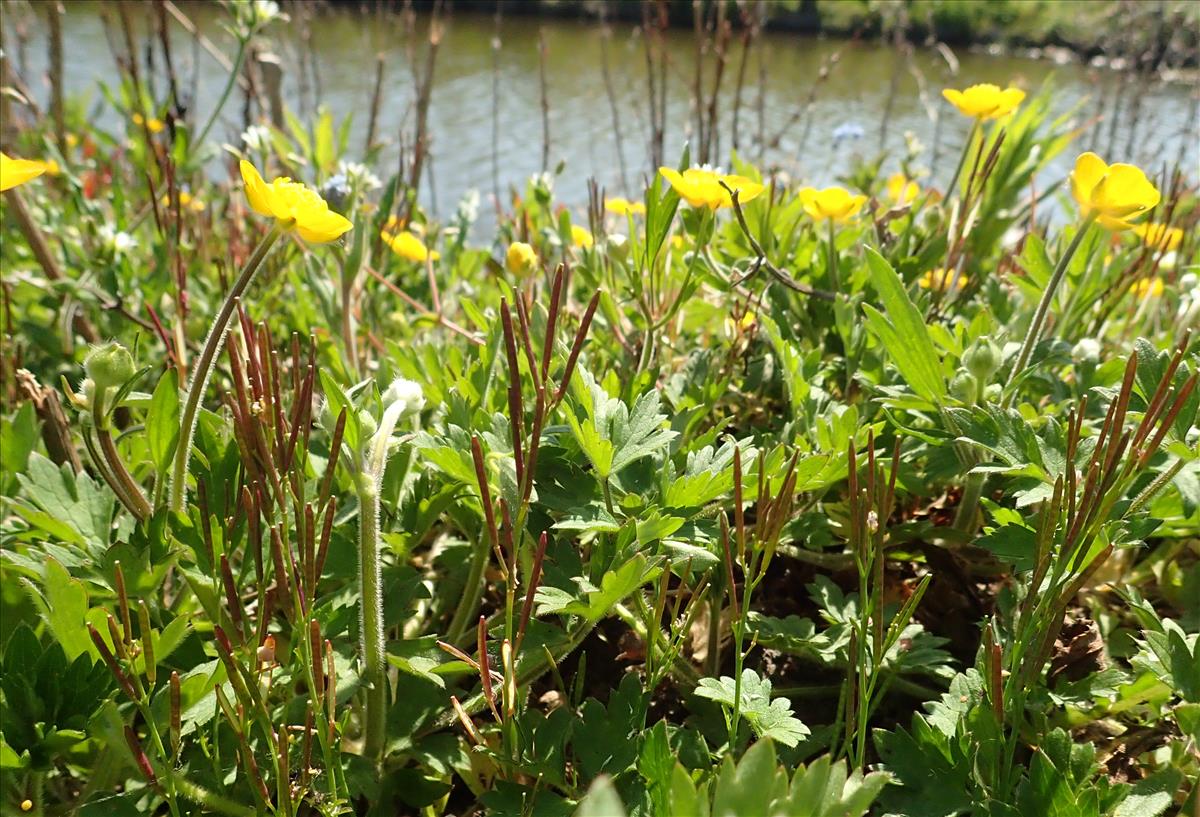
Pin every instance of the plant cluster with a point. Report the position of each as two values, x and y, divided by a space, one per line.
734 497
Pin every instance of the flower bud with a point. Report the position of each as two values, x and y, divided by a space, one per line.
407 392
982 359
367 424
109 365
520 259
964 386
1087 351
618 246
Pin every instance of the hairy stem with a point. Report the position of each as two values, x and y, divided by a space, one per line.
204 366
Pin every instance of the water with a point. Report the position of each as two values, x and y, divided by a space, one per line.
471 150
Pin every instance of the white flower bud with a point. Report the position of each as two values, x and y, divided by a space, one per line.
407 392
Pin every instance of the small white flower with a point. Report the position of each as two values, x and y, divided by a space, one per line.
359 175
263 12
257 138
468 207
116 242
1086 351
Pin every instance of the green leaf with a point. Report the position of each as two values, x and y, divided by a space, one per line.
594 603
768 718
66 610
1152 795
162 422
903 332
752 786
601 800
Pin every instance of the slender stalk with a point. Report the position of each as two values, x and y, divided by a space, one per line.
968 506
234 73
371 608
1043 309
1154 487
473 590
136 500
962 158
833 260
204 366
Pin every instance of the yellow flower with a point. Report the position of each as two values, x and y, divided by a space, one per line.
1159 236
18 171
581 237
294 206
901 189
153 124
940 279
835 203
187 200
624 207
520 258
1112 193
408 246
1143 287
72 140
701 187
985 101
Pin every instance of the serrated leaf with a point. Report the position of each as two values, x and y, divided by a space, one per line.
768 718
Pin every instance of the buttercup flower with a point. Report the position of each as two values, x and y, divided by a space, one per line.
701 187
186 201
294 206
1111 193
1147 287
834 203
520 258
581 236
624 207
940 279
985 101
408 246
1159 236
901 189
153 124
18 171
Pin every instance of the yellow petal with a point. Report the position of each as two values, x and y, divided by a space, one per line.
581 236
1010 99
1126 188
1089 170
747 190
18 171
324 228
258 194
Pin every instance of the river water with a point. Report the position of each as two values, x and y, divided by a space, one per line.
486 123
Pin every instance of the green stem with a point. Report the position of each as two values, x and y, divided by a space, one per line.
371 589
135 500
1043 309
209 800
968 506
962 158
468 603
1154 487
204 366
233 75
833 261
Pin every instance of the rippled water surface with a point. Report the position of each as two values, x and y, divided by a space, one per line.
486 121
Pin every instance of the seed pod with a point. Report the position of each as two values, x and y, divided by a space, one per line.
139 756
147 642
176 714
